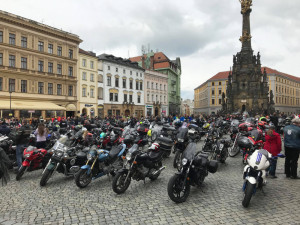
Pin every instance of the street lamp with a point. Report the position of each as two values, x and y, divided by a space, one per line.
10 91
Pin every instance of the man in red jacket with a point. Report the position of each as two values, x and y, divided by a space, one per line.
273 145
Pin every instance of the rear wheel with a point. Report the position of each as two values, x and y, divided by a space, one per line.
248 194
21 172
119 185
46 176
178 188
233 151
177 159
82 178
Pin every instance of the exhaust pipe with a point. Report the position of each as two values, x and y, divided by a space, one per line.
159 170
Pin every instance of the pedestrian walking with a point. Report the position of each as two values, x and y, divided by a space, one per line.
41 134
292 148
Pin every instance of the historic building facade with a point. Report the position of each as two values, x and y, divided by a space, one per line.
87 86
123 82
38 69
285 88
156 93
172 68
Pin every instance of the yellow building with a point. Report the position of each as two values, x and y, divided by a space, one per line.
38 68
87 85
285 88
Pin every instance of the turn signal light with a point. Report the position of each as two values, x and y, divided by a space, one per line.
123 157
188 178
134 162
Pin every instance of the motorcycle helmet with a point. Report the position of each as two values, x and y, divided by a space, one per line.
262 124
206 125
154 147
103 135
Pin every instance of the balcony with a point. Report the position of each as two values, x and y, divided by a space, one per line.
173 82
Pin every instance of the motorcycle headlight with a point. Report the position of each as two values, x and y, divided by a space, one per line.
89 156
128 156
184 161
180 140
27 156
59 154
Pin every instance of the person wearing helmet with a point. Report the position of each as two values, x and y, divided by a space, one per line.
272 145
263 119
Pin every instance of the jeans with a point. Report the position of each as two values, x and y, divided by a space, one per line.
291 161
272 168
19 154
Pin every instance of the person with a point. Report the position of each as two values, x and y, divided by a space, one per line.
273 146
41 134
4 164
4 130
21 139
292 148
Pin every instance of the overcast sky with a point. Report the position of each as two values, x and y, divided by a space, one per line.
203 33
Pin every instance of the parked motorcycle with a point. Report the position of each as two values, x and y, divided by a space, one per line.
180 146
220 150
137 166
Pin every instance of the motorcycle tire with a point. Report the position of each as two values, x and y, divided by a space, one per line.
21 172
248 194
82 175
173 189
233 151
118 185
177 160
46 176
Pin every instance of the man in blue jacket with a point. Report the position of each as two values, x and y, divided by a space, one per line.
292 148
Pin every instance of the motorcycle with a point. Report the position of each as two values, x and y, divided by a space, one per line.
138 165
180 146
99 163
220 150
195 167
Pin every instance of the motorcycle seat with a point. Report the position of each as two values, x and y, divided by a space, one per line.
204 155
165 140
81 154
114 151
169 128
153 156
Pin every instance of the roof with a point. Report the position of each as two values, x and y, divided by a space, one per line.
90 53
224 75
119 60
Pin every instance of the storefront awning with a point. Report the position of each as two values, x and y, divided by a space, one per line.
24 105
71 107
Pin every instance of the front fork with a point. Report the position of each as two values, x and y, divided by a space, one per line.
55 168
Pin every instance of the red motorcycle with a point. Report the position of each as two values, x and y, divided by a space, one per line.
34 159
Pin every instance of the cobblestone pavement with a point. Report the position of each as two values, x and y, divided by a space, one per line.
217 202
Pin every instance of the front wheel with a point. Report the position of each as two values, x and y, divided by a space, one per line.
82 178
177 159
248 194
21 172
233 151
178 188
46 176
119 185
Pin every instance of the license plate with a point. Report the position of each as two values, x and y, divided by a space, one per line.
221 146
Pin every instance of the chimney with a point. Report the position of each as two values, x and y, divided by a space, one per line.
143 62
152 62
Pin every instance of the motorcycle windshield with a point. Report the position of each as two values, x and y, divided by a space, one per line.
190 151
235 123
134 148
255 134
182 133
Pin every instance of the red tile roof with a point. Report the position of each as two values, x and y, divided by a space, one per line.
161 65
220 75
90 53
136 59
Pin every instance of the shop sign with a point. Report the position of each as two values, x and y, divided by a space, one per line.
244 100
100 106
88 105
164 111
31 111
10 114
149 106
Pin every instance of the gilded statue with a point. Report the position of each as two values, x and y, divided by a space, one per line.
245 4
246 36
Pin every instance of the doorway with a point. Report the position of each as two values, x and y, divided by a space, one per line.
156 111
243 108
127 112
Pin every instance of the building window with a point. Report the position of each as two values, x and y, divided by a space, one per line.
41 46
125 97
148 97
152 98
41 88
1 83
156 97
148 84
137 74
50 48
220 83
84 62
212 92
130 84
164 87
220 91
41 66
50 89
111 97
59 69
108 67
92 77
84 92
12 60
137 85
152 87
164 99
92 93
116 97
156 86
124 71
213 84
92 64
213 101
23 62
12 85
59 90
1 36
116 69
70 53
70 71
83 75
124 83
59 50
70 90
130 72
50 67
130 98
12 39
139 99
1 59
24 42
23 86
160 87
109 81
141 85
116 82
220 101
141 75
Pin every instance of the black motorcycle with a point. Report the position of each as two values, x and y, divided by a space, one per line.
180 146
137 166
220 150
195 167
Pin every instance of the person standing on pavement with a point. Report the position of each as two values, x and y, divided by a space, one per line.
21 140
41 134
273 146
292 148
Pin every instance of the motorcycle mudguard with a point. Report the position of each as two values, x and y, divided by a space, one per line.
122 151
252 180
123 170
86 167
51 166
26 163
